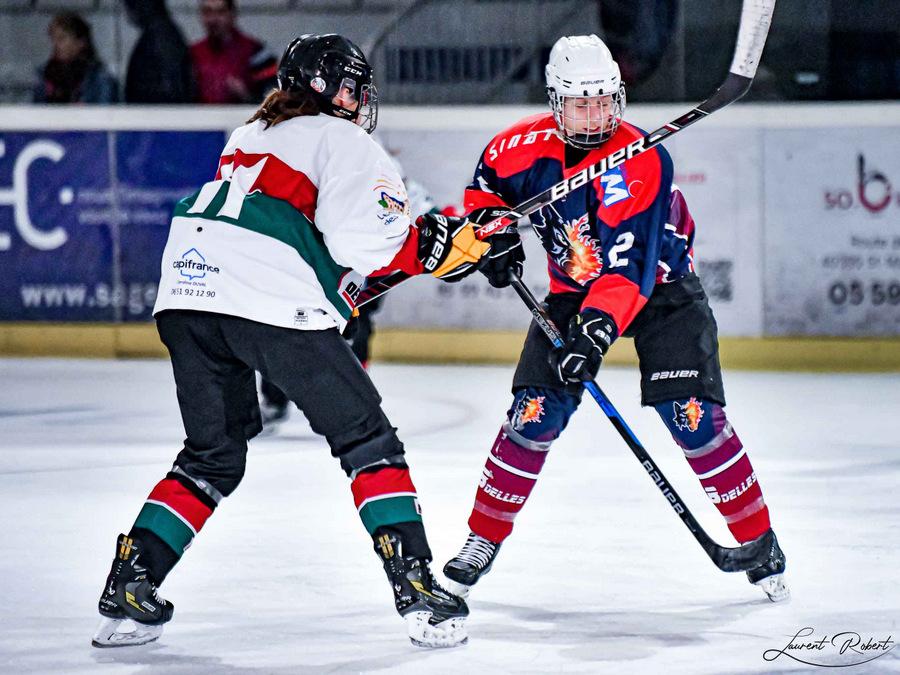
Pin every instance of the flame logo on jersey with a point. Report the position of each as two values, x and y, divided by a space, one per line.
528 410
688 416
584 259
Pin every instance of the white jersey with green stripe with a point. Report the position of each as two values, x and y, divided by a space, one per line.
297 216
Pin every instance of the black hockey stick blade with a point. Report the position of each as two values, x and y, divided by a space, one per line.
745 557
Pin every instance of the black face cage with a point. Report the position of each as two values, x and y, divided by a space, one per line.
589 139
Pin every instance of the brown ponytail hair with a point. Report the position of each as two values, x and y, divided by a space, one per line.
281 105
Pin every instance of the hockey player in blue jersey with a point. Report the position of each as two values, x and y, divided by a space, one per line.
620 261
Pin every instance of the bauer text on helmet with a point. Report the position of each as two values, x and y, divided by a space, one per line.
585 90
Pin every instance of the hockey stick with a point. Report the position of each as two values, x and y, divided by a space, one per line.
740 559
756 16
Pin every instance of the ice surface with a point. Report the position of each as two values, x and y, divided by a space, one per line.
599 576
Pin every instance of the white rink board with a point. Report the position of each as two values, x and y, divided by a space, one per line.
833 232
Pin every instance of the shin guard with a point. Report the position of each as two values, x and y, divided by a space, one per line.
719 459
535 420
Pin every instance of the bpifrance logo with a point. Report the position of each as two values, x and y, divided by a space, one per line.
688 416
193 265
529 410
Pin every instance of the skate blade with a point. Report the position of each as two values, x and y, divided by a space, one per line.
109 635
457 588
775 588
449 633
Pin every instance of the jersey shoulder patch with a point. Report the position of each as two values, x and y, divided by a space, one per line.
517 148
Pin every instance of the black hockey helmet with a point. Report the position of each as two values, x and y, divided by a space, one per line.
323 65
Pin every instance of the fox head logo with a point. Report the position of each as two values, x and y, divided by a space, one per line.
688 416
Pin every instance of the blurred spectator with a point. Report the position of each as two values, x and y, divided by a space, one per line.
638 32
229 66
159 70
73 74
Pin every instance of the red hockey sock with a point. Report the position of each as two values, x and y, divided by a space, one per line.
507 479
725 472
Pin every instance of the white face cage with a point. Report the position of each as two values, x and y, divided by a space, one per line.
586 122
365 114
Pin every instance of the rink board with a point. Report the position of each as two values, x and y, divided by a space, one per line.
796 213
466 346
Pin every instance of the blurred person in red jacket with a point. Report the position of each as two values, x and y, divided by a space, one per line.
229 66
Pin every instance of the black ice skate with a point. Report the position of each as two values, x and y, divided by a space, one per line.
434 617
130 595
472 562
770 575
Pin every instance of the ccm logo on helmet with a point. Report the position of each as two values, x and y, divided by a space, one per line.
673 374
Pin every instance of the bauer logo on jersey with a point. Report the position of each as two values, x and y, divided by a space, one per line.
530 409
193 265
688 416
615 188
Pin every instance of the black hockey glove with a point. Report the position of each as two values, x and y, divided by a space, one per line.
506 249
448 247
590 334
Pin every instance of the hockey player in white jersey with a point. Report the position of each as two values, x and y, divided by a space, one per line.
260 272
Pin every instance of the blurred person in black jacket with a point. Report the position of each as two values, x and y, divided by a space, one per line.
73 73
159 70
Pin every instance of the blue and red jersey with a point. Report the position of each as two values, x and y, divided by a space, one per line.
612 239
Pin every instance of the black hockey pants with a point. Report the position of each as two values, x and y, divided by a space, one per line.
214 357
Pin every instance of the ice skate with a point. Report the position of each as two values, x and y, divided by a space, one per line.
472 562
770 575
434 617
129 597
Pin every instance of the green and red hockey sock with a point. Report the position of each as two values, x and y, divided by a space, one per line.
387 502
172 515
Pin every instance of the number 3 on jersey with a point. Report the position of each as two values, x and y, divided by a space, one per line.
623 243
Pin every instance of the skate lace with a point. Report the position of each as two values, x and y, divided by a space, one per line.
154 591
477 551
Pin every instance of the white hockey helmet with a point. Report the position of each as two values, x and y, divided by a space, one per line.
585 89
